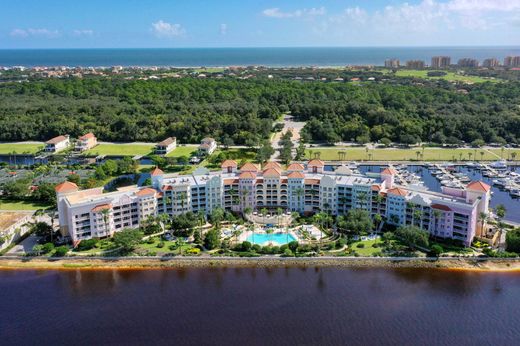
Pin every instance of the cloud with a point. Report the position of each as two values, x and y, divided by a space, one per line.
483 5
167 30
83 32
275 12
39 33
223 29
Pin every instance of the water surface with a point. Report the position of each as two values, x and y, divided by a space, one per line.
288 306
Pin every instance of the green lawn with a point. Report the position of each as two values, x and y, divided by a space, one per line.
367 250
121 149
430 154
20 148
507 153
450 76
182 151
21 205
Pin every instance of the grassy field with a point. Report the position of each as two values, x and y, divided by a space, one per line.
450 76
121 149
182 151
21 205
368 249
430 154
20 148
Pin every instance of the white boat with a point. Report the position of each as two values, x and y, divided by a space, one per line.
502 164
515 193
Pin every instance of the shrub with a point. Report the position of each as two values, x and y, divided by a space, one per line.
61 251
246 246
256 248
87 244
172 247
150 240
160 245
287 253
360 245
47 247
193 251
293 245
436 250
340 243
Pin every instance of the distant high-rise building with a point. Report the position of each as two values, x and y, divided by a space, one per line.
392 63
415 64
468 62
512 61
491 62
441 61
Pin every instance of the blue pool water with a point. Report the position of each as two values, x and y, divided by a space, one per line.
275 238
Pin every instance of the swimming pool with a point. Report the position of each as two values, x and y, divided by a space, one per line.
275 238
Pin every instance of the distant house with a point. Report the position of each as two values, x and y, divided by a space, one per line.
57 144
86 142
207 146
166 146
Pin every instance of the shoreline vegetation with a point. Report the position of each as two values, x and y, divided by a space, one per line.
125 263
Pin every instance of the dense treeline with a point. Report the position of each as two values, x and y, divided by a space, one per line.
243 111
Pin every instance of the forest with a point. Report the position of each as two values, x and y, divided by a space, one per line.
240 112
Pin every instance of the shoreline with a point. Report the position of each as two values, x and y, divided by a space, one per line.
145 263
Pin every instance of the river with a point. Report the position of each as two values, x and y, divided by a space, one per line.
287 306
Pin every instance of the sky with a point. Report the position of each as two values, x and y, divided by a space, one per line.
258 23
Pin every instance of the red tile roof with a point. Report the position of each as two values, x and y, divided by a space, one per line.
247 175
156 172
312 181
101 207
167 141
271 172
146 192
66 186
272 164
87 136
295 167
249 167
296 175
441 207
228 163
398 191
230 181
376 187
316 163
479 186
56 140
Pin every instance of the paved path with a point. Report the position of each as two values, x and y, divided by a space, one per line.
289 124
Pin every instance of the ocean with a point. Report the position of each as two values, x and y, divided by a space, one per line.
211 57
259 306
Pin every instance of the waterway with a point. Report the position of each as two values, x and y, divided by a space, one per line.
259 306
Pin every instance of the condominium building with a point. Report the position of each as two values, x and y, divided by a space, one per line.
304 188
166 146
512 61
468 62
57 144
441 61
415 64
86 142
392 63
491 63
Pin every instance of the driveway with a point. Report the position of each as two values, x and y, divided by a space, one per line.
25 246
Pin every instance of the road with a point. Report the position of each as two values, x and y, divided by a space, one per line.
288 125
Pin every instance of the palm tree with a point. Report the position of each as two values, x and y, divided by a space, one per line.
362 199
379 199
377 220
513 155
418 214
481 156
299 193
105 212
251 227
417 153
436 216
470 155
411 205
279 212
482 217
